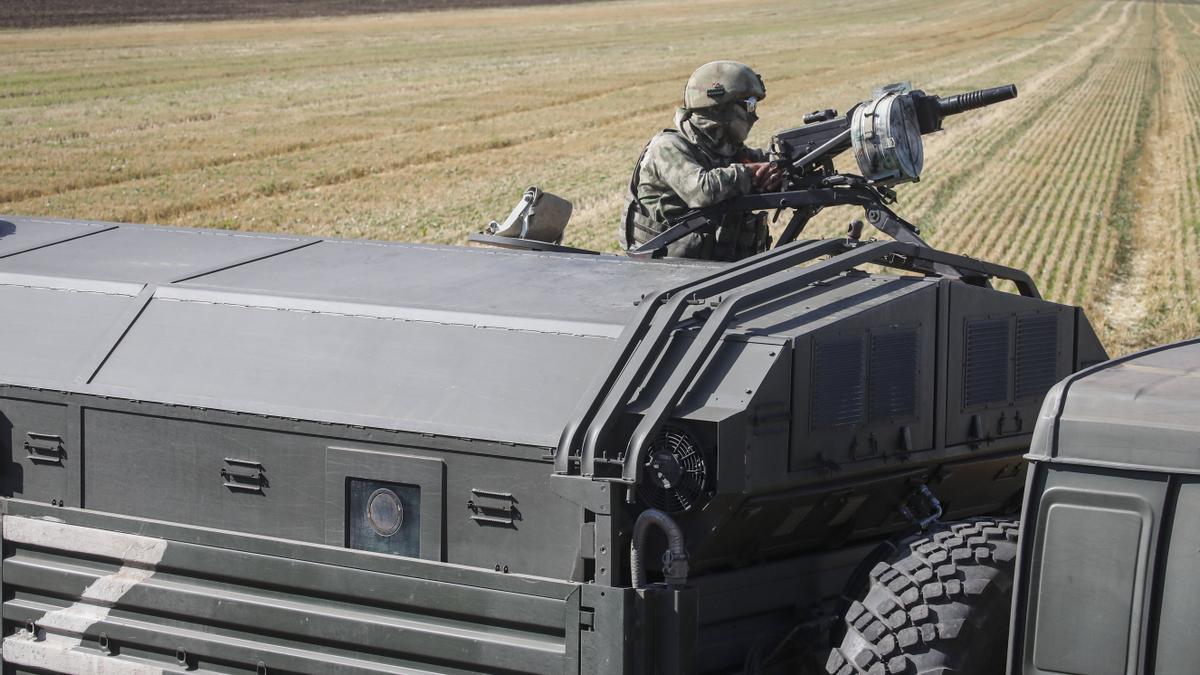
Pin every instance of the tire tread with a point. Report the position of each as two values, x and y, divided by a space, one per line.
915 617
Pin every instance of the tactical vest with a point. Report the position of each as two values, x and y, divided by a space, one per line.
736 236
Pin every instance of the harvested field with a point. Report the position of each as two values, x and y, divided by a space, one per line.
422 126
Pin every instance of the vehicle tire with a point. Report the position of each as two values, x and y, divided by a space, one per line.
938 604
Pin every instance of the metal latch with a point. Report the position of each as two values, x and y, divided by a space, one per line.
44 448
244 475
496 508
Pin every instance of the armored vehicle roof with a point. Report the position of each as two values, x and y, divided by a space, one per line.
1142 411
483 344
477 343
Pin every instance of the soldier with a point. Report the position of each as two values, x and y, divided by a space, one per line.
704 161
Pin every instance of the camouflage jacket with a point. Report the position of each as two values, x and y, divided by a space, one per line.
678 172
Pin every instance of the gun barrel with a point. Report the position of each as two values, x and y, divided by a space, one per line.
952 105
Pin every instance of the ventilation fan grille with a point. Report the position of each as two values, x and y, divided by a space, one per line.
675 474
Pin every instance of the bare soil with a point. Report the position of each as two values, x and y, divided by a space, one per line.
47 13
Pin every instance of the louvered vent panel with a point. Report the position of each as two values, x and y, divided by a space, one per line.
892 391
985 377
1037 354
837 383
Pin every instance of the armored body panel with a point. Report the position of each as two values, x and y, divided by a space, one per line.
405 413
1108 563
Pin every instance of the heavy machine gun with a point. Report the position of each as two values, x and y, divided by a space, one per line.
884 134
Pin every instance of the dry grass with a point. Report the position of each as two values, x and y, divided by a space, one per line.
424 126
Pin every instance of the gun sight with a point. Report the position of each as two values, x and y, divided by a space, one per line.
820 116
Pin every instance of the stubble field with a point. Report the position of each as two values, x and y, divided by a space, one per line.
423 126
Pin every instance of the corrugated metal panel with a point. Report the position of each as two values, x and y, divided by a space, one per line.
893 375
1037 354
987 368
171 603
838 382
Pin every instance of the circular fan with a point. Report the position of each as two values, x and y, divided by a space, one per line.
674 476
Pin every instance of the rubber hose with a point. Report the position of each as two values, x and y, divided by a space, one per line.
677 575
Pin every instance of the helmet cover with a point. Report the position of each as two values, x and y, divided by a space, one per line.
721 82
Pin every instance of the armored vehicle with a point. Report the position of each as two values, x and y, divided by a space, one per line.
236 452
1107 578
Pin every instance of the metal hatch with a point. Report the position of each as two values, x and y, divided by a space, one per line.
52 328
346 366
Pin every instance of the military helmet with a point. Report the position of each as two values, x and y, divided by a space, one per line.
721 82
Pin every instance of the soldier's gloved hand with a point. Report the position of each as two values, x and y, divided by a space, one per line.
767 176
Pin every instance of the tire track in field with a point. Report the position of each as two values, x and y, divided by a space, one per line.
991 118
1006 227
957 158
1194 24
1026 53
1026 245
966 194
994 130
1086 203
1035 144
1091 275
1145 292
1067 178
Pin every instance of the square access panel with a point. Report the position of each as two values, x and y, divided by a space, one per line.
385 502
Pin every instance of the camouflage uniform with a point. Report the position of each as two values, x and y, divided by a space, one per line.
697 164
